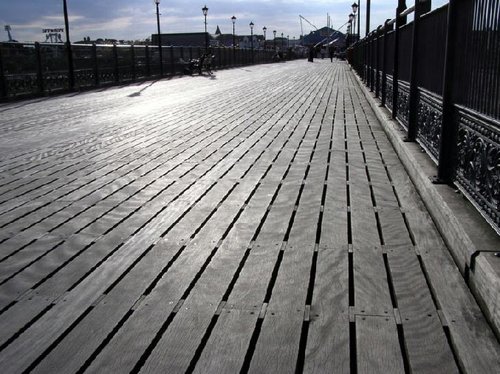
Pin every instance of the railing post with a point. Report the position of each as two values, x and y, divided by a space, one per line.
361 58
172 62
372 46
384 63
421 6
116 72
95 64
377 63
367 60
148 61
39 71
448 146
3 81
357 62
366 64
354 62
132 56
71 67
395 75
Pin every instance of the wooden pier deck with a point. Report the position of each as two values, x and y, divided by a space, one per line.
258 221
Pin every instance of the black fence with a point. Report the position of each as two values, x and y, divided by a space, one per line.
440 77
41 69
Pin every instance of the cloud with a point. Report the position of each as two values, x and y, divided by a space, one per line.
136 19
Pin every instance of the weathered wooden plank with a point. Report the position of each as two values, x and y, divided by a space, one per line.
20 260
277 349
425 339
371 291
427 346
411 290
225 351
250 288
393 227
327 349
377 345
470 335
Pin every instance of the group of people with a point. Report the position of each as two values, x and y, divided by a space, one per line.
313 51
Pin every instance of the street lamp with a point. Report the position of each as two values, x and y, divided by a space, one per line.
233 18
251 37
205 12
354 11
274 32
71 73
352 22
368 16
157 2
264 29
282 41
349 31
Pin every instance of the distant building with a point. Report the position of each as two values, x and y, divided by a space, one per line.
226 40
197 39
106 41
325 36
245 41
187 39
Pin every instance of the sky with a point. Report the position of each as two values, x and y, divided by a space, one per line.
136 19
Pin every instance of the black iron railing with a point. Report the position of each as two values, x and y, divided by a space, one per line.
40 69
440 77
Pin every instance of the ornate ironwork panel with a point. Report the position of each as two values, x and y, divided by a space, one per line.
478 163
84 78
388 92
378 83
55 81
429 122
140 71
403 112
125 74
106 75
21 84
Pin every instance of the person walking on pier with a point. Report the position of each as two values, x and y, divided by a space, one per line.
311 54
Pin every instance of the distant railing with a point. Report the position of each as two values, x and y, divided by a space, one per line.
440 77
40 69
